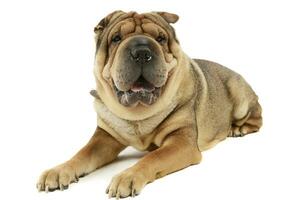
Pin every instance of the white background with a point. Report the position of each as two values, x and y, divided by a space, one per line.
46 112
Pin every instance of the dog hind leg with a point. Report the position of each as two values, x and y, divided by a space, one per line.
249 124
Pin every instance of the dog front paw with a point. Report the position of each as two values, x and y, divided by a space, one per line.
57 178
127 183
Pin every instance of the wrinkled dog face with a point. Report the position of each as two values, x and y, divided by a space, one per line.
138 58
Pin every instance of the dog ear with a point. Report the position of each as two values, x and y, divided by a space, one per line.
105 21
169 17
103 24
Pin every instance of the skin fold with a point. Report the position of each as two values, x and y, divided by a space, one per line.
152 96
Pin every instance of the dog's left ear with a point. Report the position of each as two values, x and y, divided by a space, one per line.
169 17
105 21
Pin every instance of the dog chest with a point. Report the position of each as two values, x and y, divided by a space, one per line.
130 128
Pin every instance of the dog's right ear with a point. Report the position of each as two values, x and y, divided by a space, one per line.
105 21
103 24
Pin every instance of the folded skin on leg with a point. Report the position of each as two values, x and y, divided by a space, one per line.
100 150
160 162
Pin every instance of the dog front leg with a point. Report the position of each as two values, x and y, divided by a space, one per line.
100 150
179 150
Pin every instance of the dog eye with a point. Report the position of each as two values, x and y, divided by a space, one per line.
116 39
161 39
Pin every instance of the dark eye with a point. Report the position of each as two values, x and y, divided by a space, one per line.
161 39
116 39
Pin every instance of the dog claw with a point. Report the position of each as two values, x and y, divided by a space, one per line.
76 180
133 192
110 195
38 186
117 196
46 188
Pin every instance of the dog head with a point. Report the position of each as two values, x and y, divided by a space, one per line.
136 55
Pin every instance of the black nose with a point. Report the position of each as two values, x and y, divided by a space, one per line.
141 54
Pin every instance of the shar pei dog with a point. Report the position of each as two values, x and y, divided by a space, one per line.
150 95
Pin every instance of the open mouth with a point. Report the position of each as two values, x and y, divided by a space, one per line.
141 91
142 85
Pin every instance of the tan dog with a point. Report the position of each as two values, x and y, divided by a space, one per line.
152 96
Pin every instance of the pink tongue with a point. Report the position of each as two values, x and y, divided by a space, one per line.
142 84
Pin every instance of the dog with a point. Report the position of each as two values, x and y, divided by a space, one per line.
152 96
